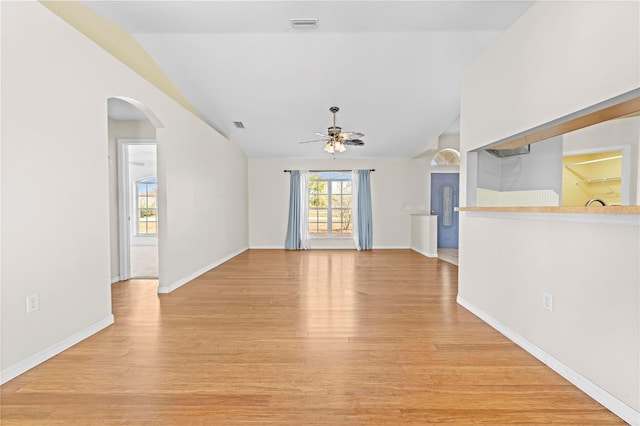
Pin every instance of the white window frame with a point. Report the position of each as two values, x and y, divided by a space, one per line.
347 178
137 201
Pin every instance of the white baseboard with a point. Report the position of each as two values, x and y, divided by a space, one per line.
53 350
115 279
337 248
191 277
425 253
610 402
391 248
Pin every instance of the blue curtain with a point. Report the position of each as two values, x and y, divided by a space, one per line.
365 225
294 236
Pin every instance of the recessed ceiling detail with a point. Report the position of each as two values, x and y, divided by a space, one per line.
238 124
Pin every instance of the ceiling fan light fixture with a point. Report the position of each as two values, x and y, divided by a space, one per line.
336 140
329 147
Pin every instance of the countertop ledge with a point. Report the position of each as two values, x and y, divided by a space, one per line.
615 210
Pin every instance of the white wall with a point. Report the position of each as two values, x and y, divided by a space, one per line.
590 54
55 185
121 129
489 171
540 169
398 187
591 269
559 58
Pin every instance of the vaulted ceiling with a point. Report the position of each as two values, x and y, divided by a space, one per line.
393 67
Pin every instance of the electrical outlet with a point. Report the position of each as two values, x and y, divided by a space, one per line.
547 301
33 303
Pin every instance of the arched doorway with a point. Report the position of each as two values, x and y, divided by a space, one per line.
133 190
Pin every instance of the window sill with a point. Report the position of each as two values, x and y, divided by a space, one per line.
332 238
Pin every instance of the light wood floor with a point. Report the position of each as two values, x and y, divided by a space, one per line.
298 338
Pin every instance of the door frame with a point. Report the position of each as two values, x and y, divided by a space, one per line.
124 204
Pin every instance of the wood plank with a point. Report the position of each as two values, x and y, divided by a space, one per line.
308 338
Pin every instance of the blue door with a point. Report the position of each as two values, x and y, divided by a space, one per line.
444 198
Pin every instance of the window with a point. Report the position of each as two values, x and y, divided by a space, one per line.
330 204
147 214
446 157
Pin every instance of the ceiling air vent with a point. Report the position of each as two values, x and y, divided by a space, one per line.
304 23
238 124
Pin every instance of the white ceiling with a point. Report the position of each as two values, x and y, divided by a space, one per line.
393 67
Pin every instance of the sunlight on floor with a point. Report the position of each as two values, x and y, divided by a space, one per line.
448 255
144 261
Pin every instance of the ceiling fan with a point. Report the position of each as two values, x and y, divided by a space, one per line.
335 140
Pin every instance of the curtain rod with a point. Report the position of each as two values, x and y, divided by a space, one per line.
317 171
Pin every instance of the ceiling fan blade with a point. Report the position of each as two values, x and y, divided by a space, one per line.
353 142
316 140
321 134
352 135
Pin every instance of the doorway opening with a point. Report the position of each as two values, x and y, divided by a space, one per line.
444 200
138 189
134 202
596 175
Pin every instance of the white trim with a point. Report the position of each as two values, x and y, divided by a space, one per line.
614 219
123 209
425 253
336 248
191 277
391 248
115 279
457 170
603 397
53 350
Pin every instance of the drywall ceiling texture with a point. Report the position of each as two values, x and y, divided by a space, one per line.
392 67
559 58
55 211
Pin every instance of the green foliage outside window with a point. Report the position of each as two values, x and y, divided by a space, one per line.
330 206
147 194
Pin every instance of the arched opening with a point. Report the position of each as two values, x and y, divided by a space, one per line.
446 157
133 190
